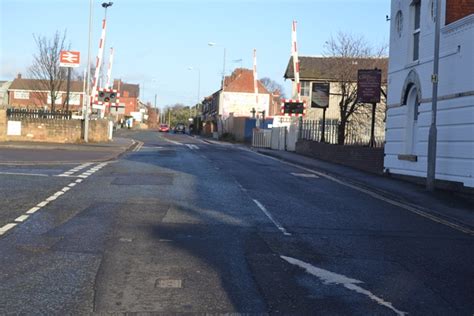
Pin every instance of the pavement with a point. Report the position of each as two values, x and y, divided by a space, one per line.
53 153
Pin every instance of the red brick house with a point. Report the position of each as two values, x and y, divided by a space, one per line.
129 94
33 93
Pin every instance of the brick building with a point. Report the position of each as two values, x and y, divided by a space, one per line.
33 93
129 94
412 38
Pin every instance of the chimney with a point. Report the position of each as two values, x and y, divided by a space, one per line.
117 83
18 76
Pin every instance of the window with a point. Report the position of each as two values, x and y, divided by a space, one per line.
23 95
416 29
305 88
399 23
58 100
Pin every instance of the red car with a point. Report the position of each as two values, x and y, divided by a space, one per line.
164 128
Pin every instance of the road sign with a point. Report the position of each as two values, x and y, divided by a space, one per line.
320 95
69 59
369 83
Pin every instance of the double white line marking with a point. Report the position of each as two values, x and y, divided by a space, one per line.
56 195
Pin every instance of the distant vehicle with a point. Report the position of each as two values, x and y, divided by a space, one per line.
180 128
164 128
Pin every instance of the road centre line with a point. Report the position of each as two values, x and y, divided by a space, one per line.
377 196
33 210
6 228
172 141
22 218
264 210
42 204
328 277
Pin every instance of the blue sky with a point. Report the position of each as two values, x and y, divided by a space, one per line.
156 42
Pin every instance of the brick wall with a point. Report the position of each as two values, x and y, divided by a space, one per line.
363 158
55 131
458 9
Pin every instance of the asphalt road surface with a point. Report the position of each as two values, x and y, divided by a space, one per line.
182 225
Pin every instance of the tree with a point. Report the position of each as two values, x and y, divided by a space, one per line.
179 113
46 68
347 50
272 86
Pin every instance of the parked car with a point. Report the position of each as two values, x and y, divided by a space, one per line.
180 128
164 128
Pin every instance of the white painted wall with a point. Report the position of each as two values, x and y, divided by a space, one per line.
455 117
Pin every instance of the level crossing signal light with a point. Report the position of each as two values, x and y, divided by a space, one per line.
107 97
294 108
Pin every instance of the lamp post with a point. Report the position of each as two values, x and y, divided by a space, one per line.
223 67
432 138
199 84
88 79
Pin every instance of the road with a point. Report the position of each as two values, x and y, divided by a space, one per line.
182 225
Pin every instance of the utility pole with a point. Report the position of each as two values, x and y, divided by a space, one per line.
432 138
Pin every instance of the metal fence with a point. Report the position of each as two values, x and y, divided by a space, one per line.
312 130
38 114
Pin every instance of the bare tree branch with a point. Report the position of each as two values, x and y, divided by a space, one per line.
46 68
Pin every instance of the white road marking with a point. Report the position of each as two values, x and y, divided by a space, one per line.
22 218
6 228
329 277
191 146
172 141
264 210
415 210
75 169
305 175
139 146
33 210
42 204
24 174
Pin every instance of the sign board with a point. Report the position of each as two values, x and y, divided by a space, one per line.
105 97
320 95
14 128
69 58
293 108
240 103
369 82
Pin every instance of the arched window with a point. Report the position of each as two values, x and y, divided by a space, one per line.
412 103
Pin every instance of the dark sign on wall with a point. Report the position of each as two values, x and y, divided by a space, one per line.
369 82
320 95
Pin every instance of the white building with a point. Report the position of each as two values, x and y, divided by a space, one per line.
410 90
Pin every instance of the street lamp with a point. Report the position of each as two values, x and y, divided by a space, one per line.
199 84
223 67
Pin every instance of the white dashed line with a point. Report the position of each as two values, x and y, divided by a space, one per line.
6 228
24 174
74 170
57 194
21 218
33 210
305 175
264 210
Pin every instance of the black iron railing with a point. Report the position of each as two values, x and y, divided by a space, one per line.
38 114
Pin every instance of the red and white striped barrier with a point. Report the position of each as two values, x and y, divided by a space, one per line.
296 63
109 71
255 80
100 56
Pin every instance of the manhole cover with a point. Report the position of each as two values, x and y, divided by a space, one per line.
169 283
145 179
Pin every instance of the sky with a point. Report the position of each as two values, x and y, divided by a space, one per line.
156 42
